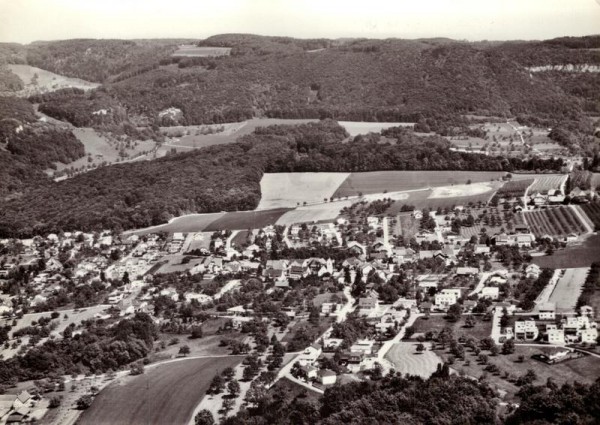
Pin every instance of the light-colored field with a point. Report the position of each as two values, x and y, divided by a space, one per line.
313 213
244 220
291 189
166 394
407 361
354 128
461 190
46 81
397 181
190 50
185 224
567 289
544 182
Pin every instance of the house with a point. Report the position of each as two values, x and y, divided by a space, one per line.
425 307
490 293
357 248
547 311
571 237
526 330
533 271
368 303
329 308
298 270
310 372
446 298
588 335
481 249
467 271
327 377
24 399
310 355
555 335
364 346
555 196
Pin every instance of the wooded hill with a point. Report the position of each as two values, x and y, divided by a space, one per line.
227 177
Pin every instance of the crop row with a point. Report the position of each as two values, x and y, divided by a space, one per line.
554 222
592 210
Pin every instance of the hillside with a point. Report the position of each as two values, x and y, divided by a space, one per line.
227 177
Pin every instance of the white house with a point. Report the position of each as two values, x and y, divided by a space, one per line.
526 330
327 377
446 298
547 311
490 292
533 271
555 335
310 355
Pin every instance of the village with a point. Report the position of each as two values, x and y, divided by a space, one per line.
347 299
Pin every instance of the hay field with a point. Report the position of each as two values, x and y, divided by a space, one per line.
243 220
166 394
354 128
461 190
289 190
313 213
567 289
193 51
395 181
46 81
185 224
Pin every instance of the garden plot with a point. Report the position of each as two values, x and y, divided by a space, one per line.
282 190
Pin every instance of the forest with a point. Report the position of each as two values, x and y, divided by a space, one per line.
227 177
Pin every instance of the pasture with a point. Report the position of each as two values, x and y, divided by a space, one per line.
36 80
395 181
567 289
354 128
407 361
580 255
292 189
193 51
167 393
243 220
313 213
185 224
555 222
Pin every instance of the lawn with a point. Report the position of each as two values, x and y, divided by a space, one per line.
243 220
585 369
436 323
392 181
164 394
407 361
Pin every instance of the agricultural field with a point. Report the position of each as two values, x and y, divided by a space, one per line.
514 188
292 189
184 224
313 213
408 361
468 232
568 371
243 220
36 81
167 392
192 51
580 255
394 181
354 128
592 211
101 149
545 182
555 222
567 289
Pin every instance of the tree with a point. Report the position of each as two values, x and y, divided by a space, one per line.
420 348
454 312
256 393
137 368
470 321
54 402
228 373
216 385
508 347
494 350
184 350
234 388
84 402
204 417
196 332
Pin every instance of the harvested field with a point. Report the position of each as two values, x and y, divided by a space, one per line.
354 128
164 394
555 222
313 213
567 289
243 220
193 51
185 224
581 255
292 189
407 361
395 181
45 81
461 190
